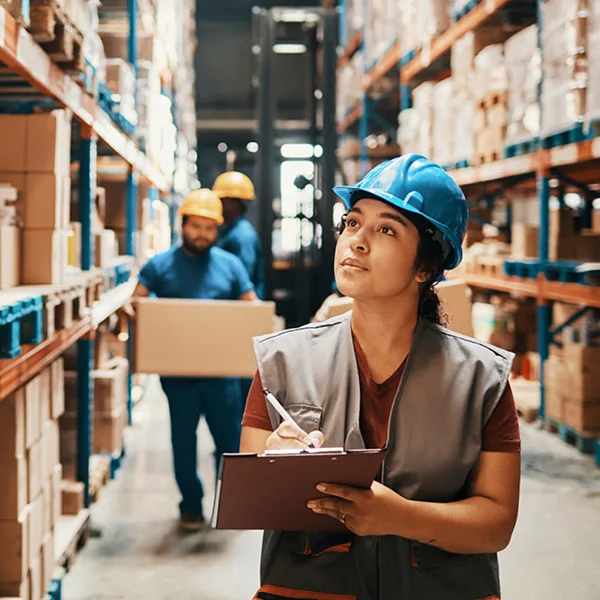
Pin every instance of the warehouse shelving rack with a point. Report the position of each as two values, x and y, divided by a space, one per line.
576 165
38 78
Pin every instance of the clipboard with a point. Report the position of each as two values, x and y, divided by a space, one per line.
270 491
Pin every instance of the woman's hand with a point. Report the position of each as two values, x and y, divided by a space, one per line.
289 436
364 512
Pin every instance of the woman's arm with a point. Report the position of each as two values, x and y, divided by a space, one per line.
482 523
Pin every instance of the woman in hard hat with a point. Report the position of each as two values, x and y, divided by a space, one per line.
198 270
389 374
237 235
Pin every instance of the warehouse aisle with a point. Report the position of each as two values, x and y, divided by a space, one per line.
554 554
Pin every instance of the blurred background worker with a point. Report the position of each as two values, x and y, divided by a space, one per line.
197 269
237 235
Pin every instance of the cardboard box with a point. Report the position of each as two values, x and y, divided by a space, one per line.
562 242
14 477
35 579
595 219
524 241
588 246
36 518
57 374
14 541
45 397
582 359
51 448
49 142
47 560
116 201
74 245
12 425
33 427
111 386
455 296
44 256
13 142
165 343
66 205
56 493
106 250
72 494
44 208
10 256
34 471
108 431
15 590
46 503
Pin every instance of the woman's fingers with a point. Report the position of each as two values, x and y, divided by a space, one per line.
289 435
317 438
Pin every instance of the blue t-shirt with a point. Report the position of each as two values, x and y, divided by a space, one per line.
218 275
240 238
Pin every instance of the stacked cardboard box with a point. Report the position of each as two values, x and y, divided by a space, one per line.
573 388
381 29
34 158
443 122
522 62
564 64
593 41
30 503
567 243
421 22
416 124
110 414
349 85
10 245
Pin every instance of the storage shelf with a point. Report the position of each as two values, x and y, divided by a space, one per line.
33 360
389 61
499 283
68 532
23 56
442 44
111 302
352 118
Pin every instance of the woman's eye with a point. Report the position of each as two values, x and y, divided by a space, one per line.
387 231
351 223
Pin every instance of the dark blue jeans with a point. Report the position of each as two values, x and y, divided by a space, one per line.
219 401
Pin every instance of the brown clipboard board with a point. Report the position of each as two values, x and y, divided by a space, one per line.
270 492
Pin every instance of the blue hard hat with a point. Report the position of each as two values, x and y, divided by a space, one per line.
414 184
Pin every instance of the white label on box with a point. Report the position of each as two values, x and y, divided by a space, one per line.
564 156
596 147
2 25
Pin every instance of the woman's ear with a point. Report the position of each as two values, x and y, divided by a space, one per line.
421 277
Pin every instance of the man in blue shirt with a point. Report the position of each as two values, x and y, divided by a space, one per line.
198 269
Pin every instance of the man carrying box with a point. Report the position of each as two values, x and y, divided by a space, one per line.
197 269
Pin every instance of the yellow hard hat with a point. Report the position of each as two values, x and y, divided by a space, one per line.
234 184
203 203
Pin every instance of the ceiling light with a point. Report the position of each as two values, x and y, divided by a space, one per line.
252 147
289 48
222 147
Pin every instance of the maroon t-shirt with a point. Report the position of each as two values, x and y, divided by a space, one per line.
500 433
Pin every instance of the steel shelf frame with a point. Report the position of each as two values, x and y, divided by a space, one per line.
541 165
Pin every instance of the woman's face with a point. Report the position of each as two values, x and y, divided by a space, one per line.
375 255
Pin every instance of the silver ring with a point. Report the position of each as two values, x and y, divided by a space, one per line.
343 519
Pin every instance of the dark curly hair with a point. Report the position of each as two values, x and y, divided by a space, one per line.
430 262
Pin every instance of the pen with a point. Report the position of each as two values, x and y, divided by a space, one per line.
283 413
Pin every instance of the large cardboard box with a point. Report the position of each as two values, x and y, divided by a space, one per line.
33 427
56 495
588 246
106 249
35 578
454 295
13 498
595 219
48 142
12 425
51 448
108 431
13 142
14 542
10 256
46 496
15 590
219 344
57 375
36 522
44 256
45 205
524 241
582 359
47 560
116 201
45 397
111 385
72 497
34 471
562 243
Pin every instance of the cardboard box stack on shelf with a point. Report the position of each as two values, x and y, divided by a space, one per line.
421 22
10 236
522 60
443 123
415 133
30 502
564 64
566 243
349 85
593 43
34 158
380 29
525 226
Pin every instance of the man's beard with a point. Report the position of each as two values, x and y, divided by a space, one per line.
195 250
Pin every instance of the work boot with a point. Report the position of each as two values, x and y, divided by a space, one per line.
191 522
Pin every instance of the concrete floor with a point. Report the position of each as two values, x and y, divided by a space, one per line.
554 555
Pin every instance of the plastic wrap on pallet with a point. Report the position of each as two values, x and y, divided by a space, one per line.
443 122
433 18
354 17
349 85
380 29
522 61
423 104
490 72
463 134
407 17
564 64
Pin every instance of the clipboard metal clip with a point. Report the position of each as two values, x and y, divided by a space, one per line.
295 451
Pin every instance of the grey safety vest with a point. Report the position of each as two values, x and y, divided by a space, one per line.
450 386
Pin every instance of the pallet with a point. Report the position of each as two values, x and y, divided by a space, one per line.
71 535
100 475
488 157
521 148
564 137
584 442
493 100
20 322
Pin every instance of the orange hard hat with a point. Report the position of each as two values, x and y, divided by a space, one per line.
234 184
203 203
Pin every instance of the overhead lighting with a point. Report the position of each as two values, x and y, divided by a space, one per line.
297 151
289 48
222 147
318 151
252 147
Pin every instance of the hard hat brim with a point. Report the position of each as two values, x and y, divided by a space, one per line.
206 214
347 193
